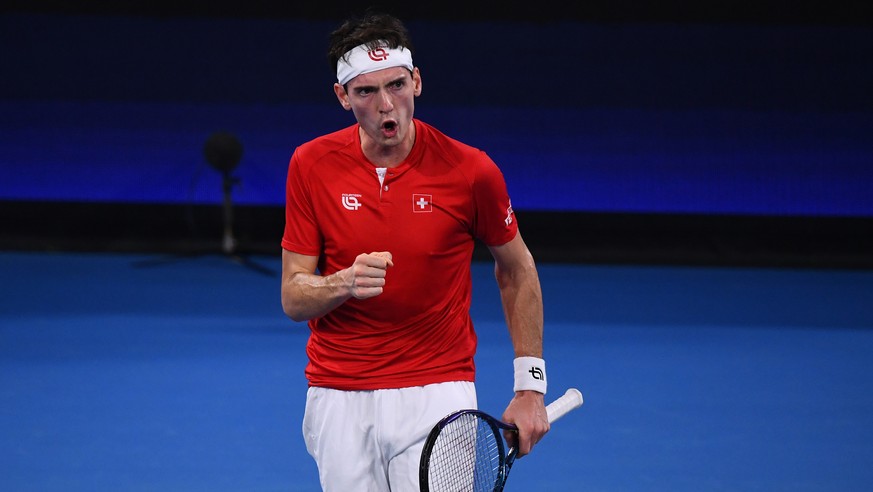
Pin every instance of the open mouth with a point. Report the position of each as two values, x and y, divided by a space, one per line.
389 128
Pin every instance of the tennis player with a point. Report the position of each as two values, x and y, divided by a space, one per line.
381 219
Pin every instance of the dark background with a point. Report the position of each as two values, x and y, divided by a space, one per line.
680 132
764 12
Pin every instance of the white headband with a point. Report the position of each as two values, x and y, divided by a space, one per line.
364 60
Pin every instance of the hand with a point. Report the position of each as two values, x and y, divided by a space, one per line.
366 277
528 412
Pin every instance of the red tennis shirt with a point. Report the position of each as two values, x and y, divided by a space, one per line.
427 212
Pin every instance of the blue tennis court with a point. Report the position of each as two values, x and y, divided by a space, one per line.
186 376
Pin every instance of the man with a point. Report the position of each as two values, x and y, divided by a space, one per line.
381 219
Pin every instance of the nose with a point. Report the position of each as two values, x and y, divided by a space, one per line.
386 103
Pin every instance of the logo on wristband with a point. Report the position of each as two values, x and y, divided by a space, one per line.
537 373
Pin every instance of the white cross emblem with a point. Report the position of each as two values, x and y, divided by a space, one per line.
421 203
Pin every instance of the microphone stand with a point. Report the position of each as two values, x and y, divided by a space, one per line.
223 152
229 243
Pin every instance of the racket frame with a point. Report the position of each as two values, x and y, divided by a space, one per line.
505 458
570 400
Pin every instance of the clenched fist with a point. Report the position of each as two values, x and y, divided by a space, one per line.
366 277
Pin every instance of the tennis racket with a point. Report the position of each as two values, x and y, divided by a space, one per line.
465 451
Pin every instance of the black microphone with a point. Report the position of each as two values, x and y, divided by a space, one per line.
223 151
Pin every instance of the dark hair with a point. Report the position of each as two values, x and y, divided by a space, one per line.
369 30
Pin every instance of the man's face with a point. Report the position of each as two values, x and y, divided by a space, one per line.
383 103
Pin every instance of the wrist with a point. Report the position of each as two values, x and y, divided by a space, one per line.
530 374
342 283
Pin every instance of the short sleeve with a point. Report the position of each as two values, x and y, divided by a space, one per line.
302 234
494 222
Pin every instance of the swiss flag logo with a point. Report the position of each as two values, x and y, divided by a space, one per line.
422 203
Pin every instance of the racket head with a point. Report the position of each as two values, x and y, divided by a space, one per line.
466 451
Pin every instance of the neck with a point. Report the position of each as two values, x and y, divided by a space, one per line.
387 155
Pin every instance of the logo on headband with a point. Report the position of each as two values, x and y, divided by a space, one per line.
378 54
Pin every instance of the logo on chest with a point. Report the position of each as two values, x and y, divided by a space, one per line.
351 201
422 203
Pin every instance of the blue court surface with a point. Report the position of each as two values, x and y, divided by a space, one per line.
186 376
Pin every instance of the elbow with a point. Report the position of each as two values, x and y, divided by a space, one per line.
516 272
292 312
293 309
295 315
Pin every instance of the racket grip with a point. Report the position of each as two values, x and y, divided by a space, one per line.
570 400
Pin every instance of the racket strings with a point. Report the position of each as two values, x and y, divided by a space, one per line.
466 457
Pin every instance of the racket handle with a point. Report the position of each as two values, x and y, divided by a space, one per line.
571 400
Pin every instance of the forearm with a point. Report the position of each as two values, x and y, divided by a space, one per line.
308 295
522 300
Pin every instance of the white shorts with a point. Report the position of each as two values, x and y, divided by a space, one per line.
371 441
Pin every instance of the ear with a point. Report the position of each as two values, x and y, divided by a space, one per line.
416 81
342 96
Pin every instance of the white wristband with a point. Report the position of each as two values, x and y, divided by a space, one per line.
530 374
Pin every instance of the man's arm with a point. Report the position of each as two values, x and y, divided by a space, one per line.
522 300
307 295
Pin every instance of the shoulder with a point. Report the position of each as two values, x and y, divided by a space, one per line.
324 147
448 146
466 158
